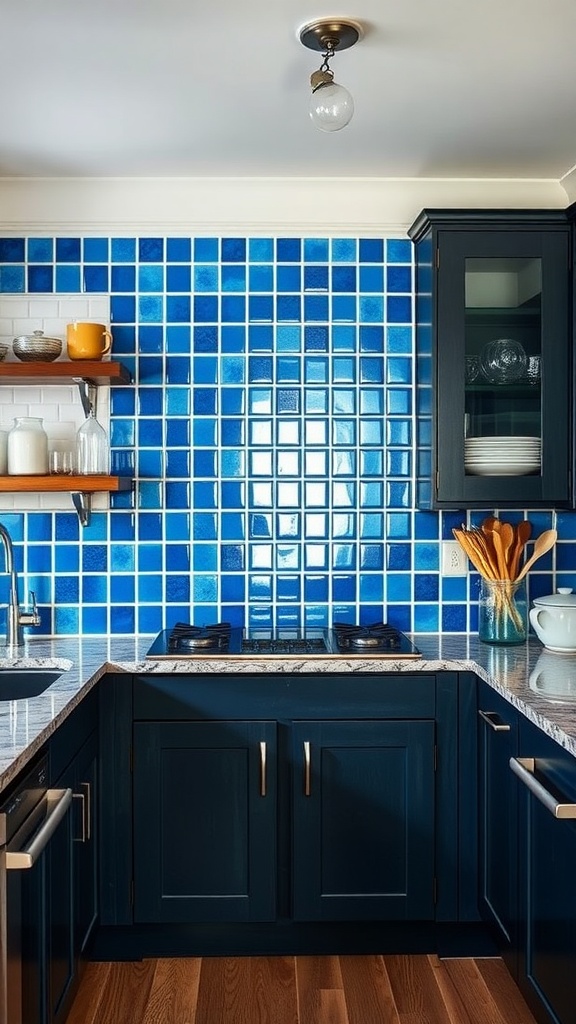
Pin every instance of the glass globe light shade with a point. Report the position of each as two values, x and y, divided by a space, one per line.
331 107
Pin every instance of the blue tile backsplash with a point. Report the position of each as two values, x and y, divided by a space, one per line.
270 431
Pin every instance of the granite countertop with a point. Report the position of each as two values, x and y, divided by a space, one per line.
540 684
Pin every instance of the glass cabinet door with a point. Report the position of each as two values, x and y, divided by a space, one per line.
502 430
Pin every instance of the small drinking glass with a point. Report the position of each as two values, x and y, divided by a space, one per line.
472 368
61 462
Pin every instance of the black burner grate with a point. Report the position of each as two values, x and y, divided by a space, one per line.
185 637
378 637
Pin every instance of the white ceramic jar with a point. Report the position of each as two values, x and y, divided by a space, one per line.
554 620
27 447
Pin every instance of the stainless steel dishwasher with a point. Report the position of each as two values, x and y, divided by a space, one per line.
29 818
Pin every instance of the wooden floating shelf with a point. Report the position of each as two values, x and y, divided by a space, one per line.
87 483
104 374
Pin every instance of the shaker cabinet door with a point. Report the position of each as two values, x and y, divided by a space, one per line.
363 842
204 821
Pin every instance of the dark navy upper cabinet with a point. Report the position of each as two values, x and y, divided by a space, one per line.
204 821
493 343
364 820
497 723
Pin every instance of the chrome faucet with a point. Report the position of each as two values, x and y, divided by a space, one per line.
15 618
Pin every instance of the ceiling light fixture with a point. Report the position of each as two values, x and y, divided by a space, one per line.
331 105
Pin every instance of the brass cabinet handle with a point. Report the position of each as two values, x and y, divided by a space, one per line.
493 721
86 786
524 768
21 858
306 768
262 768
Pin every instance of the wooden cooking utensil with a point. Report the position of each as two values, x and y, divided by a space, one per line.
523 534
542 544
507 540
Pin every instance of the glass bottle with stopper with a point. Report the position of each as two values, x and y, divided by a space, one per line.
92 447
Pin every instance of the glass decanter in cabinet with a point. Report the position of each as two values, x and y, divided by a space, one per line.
493 377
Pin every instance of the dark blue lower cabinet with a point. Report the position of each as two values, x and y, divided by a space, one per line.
204 821
497 724
547 862
363 820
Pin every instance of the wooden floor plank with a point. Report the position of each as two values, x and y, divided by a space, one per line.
416 994
247 990
86 1004
125 996
455 1005
367 990
320 990
174 992
506 993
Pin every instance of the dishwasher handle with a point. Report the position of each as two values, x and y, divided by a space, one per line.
58 801
524 768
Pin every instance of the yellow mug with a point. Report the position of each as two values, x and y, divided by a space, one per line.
87 341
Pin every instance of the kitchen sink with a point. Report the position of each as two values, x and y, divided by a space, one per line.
19 683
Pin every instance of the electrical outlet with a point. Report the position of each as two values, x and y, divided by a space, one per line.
453 559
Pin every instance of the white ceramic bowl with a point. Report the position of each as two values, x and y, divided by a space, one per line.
554 621
36 347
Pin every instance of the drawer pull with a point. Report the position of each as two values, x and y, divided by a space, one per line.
493 720
82 798
306 768
524 768
262 768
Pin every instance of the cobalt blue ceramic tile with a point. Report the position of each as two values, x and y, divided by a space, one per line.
343 279
233 401
288 279
94 558
288 587
398 250
123 278
453 588
122 619
12 250
344 556
233 308
151 308
12 279
398 463
343 587
565 557
260 278
178 338
288 370
204 494
371 495
398 370
178 433
343 337
150 278
177 495
150 250
400 616
232 557
66 558
97 528
426 586
316 279
232 370
205 338
148 619
178 589
123 309
205 278
233 588
233 250
288 400
372 525
371 338
178 370
399 401
233 278
178 279
371 587
205 589
260 525
150 370
371 370
288 250
426 618
344 308
398 586
206 250
371 463
261 250
288 307
39 526
122 526
66 526
316 250
371 279
94 250
371 250
40 250
150 557
122 589
566 525
316 308
204 432
40 278
67 278
399 279
232 464
398 310
344 371
399 432
371 401
150 339
149 433
204 401
453 618
68 250
316 588
371 309
66 621
178 526
205 463
177 557
123 250
177 463
232 526
205 309
150 526
398 495
398 556
399 340
205 525
233 338
66 590
149 494
343 250
179 250
95 279
260 308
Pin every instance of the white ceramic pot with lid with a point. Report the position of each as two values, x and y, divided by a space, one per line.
554 620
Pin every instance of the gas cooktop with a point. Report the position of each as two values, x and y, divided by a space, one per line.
344 640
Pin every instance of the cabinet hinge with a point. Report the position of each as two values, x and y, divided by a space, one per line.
437 259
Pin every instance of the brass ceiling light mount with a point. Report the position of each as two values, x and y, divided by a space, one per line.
331 106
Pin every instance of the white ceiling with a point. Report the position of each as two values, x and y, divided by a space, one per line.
442 89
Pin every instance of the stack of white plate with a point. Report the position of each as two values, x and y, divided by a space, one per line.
502 456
